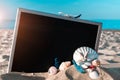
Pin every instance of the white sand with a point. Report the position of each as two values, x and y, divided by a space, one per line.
109 50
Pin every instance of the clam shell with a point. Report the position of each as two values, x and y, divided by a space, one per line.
84 53
93 75
52 70
64 65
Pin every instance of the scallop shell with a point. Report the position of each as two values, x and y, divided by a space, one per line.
85 65
83 54
52 70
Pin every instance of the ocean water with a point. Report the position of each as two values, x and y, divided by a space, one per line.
113 24
106 24
7 24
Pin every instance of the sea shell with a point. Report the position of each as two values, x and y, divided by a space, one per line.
64 65
85 65
93 74
84 54
52 70
96 62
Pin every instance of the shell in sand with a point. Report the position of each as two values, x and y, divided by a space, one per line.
83 54
64 65
52 70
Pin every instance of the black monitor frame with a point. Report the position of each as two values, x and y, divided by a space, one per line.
21 10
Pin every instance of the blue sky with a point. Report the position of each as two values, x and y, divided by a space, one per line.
90 9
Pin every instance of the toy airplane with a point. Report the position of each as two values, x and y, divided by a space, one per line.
67 15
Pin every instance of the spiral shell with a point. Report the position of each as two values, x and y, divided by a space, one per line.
84 54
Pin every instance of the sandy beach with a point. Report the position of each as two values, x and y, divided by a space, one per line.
109 53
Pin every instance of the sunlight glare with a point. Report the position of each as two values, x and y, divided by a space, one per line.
1 18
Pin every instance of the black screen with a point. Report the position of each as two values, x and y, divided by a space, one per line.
42 39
